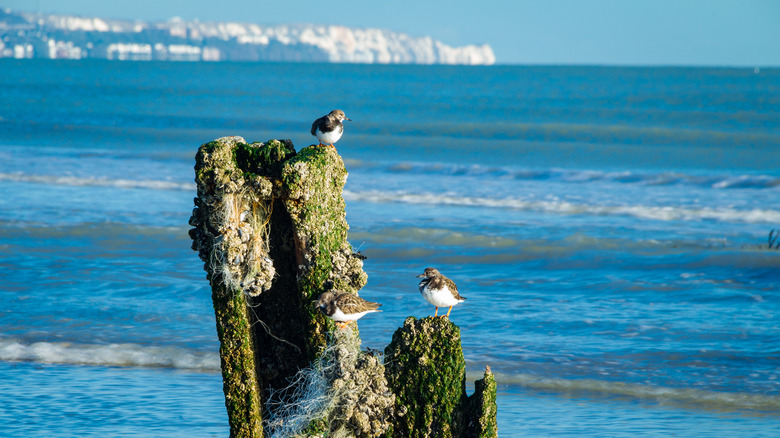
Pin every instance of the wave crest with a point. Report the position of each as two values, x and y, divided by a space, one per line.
699 398
97 182
123 355
583 176
661 213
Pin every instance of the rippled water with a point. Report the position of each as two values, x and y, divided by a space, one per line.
608 226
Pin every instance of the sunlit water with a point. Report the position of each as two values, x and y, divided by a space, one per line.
608 226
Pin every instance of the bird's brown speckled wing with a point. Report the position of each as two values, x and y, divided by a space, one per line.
350 303
451 286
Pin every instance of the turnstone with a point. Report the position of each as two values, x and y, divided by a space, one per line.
329 128
439 290
344 307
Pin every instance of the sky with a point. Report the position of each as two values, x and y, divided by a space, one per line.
604 32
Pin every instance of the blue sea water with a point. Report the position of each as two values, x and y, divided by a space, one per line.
609 227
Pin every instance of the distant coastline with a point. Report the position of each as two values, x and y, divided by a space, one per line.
32 35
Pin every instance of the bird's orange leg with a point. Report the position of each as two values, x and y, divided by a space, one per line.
448 313
437 312
331 145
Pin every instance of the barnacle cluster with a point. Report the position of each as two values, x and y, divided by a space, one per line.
270 225
343 392
231 221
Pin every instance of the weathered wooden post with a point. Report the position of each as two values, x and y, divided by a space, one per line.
269 224
427 373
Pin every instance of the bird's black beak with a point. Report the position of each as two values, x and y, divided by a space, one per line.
421 276
347 118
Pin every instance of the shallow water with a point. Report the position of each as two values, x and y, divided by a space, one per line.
609 227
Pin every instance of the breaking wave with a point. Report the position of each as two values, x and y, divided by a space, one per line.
580 176
97 182
122 355
717 182
690 397
662 213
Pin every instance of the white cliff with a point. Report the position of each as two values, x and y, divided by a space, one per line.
178 39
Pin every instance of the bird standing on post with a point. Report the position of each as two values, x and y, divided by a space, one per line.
439 290
328 129
345 307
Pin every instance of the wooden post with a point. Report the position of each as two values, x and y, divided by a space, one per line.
269 224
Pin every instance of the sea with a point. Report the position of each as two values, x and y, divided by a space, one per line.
614 230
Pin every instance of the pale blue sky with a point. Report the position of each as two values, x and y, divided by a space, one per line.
621 32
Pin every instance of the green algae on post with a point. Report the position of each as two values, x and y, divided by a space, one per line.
426 370
482 411
270 226
217 221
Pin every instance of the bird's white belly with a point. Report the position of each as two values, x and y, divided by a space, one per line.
441 297
340 316
330 137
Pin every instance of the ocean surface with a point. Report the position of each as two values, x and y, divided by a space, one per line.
610 228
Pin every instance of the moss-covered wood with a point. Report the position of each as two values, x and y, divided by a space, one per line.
270 226
426 370
217 236
237 357
313 181
482 413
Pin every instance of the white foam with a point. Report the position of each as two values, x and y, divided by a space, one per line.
681 396
661 213
97 182
125 355
712 181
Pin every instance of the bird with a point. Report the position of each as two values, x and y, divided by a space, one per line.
329 128
439 290
344 307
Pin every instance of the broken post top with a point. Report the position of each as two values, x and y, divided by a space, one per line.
426 370
269 224
309 183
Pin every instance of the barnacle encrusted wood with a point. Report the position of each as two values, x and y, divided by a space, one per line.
232 214
363 405
221 221
269 225
313 181
343 393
